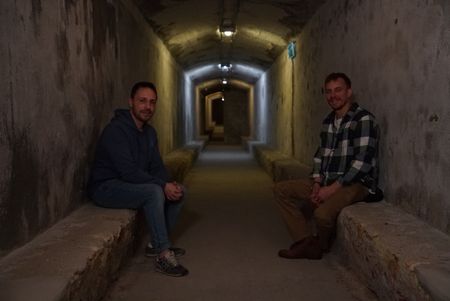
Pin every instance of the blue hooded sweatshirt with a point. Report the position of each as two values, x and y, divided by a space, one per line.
126 153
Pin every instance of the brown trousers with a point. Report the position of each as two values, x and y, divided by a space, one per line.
297 210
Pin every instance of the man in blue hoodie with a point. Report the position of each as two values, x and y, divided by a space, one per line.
128 172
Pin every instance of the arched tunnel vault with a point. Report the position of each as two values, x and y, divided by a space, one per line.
263 28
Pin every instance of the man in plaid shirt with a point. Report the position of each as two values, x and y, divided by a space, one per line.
345 171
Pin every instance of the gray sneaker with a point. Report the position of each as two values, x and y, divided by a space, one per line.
169 265
152 252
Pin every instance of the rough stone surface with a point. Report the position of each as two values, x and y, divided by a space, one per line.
399 256
73 260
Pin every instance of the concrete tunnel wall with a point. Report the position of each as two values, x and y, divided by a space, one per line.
397 54
64 67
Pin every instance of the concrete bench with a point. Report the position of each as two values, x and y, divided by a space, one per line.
399 256
78 257
266 156
180 161
73 260
279 166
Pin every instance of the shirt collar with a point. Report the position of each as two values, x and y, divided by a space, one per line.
348 116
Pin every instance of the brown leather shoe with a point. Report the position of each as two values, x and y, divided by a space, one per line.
301 241
290 253
308 248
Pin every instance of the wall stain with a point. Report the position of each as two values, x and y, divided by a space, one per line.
22 197
297 13
272 51
434 118
63 54
69 4
432 154
150 8
402 51
36 11
104 25
69 119
346 5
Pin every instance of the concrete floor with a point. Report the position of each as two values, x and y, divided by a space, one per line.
232 232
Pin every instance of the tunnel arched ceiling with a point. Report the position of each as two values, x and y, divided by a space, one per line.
190 30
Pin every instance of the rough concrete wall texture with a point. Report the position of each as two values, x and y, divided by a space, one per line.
279 97
398 55
144 57
61 78
235 115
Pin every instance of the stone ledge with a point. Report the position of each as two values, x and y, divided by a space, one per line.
399 256
290 169
266 156
280 166
250 145
73 260
178 162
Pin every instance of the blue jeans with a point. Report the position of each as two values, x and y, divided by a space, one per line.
161 215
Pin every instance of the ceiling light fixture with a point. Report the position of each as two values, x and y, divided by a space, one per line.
228 33
224 81
225 67
227 29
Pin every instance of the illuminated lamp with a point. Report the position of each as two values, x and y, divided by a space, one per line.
224 67
227 30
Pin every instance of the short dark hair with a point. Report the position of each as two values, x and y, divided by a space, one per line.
139 85
336 75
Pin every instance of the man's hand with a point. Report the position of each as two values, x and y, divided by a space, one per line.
314 193
324 193
173 191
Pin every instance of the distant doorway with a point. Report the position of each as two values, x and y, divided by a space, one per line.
226 113
217 119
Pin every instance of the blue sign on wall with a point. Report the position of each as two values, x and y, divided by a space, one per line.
291 50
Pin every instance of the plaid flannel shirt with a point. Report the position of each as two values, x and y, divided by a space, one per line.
348 154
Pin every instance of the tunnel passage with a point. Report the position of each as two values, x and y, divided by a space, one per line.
67 65
225 111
